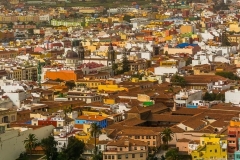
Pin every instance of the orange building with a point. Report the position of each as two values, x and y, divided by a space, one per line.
66 75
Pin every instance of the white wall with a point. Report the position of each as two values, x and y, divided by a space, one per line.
165 70
11 144
232 96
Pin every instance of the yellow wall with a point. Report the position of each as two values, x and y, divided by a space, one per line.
234 123
94 113
234 27
111 88
210 147
109 101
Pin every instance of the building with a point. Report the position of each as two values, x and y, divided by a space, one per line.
66 75
88 119
211 147
233 137
183 98
12 140
231 96
126 148
7 115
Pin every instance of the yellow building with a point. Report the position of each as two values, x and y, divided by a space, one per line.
84 135
111 88
211 146
186 29
234 27
7 115
89 83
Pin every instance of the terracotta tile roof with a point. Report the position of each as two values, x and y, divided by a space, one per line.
122 142
188 111
220 123
203 78
137 109
168 118
78 126
132 122
91 117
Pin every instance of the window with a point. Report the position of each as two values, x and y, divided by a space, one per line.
126 156
119 156
109 156
202 142
120 148
135 148
154 143
142 137
215 150
105 156
148 142
99 146
223 150
210 150
133 155
113 157
154 137
141 155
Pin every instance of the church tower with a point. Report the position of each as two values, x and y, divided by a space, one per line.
111 55
81 52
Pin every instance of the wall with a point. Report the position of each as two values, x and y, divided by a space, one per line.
12 144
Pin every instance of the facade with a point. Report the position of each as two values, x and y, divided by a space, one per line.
231 96
211 147
7 115
126 148
233 137
12 140
183 98
88 119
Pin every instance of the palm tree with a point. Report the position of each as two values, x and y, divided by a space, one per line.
95 131
172 154
167 135
30 143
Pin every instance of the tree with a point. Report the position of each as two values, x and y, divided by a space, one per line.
115 68
166 53
49 146
163 158
125 64
70 84
229 75
128 18
73 150
98 156
167 135
95 131
23 156
172 154
178 80
30 143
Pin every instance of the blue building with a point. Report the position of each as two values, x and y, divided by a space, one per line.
88 119
237 153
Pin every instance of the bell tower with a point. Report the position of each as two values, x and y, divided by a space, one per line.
111 55
81 52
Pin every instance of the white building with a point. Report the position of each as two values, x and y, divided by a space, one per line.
232 96
165 70
11 141
185 97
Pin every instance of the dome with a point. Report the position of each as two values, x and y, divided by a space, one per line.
71 54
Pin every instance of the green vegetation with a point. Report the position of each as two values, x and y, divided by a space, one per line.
178 80
167 136
228 75
95 131
73 151
30 143
213 96
49 146
70 84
